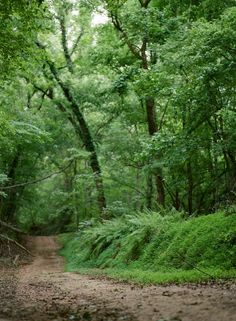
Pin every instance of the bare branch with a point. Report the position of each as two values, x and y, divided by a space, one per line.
18 244
71 119
49 93
163 115
144 3
144 54
29 98
64 43
36 180
116 179
42 100
10 227
133 48
104 125
77 42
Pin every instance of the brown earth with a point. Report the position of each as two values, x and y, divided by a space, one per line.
42 291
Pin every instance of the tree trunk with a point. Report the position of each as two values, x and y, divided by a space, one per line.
160 190
141 53
149 191
190 187
177 201
82 129
8 205
152 129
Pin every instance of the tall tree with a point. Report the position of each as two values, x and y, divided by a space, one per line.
72 107
139 43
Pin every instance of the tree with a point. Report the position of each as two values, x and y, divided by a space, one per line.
19 24
72 107
139 43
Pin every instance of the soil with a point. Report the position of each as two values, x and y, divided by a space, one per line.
40 290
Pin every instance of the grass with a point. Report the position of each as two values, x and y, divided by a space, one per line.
148 277
149 248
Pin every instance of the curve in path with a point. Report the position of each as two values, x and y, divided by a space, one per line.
43 291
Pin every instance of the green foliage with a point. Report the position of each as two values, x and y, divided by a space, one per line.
150 242
195 9
149 277
19 23
179 55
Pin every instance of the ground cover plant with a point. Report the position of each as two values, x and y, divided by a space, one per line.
149 247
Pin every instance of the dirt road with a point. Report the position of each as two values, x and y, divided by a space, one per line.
42 291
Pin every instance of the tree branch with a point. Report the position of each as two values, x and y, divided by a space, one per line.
64 43
128 185
36 180
18 244
163 115
50 95
77 42
144 3
104 124
134 49
10 227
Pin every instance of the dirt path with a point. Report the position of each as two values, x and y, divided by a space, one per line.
42 291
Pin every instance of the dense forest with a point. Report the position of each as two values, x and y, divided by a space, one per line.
117 115
130 103
118 160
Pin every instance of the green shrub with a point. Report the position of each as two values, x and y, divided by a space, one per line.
155 243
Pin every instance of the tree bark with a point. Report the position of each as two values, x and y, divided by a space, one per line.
8 205
140 53
190 187
67 55
149 191
82 128
153 128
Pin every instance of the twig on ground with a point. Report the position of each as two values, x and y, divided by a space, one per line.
14 241
13 228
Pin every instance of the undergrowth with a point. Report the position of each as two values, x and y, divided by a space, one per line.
151 248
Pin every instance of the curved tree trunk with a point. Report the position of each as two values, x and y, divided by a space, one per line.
83 131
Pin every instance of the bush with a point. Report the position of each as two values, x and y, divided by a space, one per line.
152 242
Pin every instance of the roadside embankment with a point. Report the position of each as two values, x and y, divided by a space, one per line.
149 248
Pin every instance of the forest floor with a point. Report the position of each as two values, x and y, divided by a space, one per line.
40 291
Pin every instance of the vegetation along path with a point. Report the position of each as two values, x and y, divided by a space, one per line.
41 290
